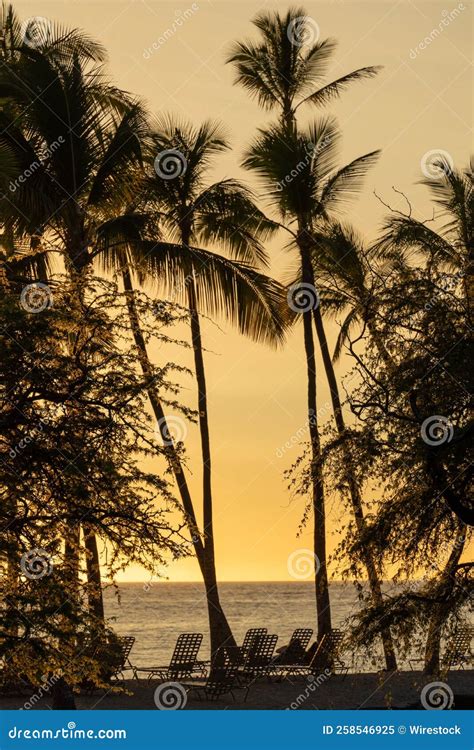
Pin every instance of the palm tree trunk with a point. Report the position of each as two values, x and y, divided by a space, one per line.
323 607
221 633
218 625
374 583
72 545
80 262
442 609
96 602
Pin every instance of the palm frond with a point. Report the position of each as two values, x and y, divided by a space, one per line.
224 288
333 90
225 214
280 72
50 37
402 236
350 320
339 252
291 165
123 150
196 145
345 184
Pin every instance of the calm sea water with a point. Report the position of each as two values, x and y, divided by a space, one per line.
156 616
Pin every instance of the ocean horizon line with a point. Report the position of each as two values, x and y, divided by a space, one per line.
287 581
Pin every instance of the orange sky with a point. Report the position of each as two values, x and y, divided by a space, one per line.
421 101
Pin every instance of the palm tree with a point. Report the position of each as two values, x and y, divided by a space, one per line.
452 246
305 203
74 139
51 39
285 73
344 281
78 201
284 70
195 214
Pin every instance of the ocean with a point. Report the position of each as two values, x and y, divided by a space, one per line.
156 613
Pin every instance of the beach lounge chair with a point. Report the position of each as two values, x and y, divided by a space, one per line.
326 656
297 646
250 636
113 655
183 662
223 677
294 655
119 661
258 660
458 651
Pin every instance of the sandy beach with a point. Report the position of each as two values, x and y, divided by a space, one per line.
357 691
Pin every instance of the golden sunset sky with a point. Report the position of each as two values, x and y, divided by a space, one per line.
421 101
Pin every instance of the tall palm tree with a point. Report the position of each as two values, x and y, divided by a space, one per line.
285 69
51 38
84 138
74 139
195 214
344 281
305 203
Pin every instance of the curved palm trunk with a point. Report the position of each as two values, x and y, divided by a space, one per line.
323 607
221 633
357 507
218 625
442 609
